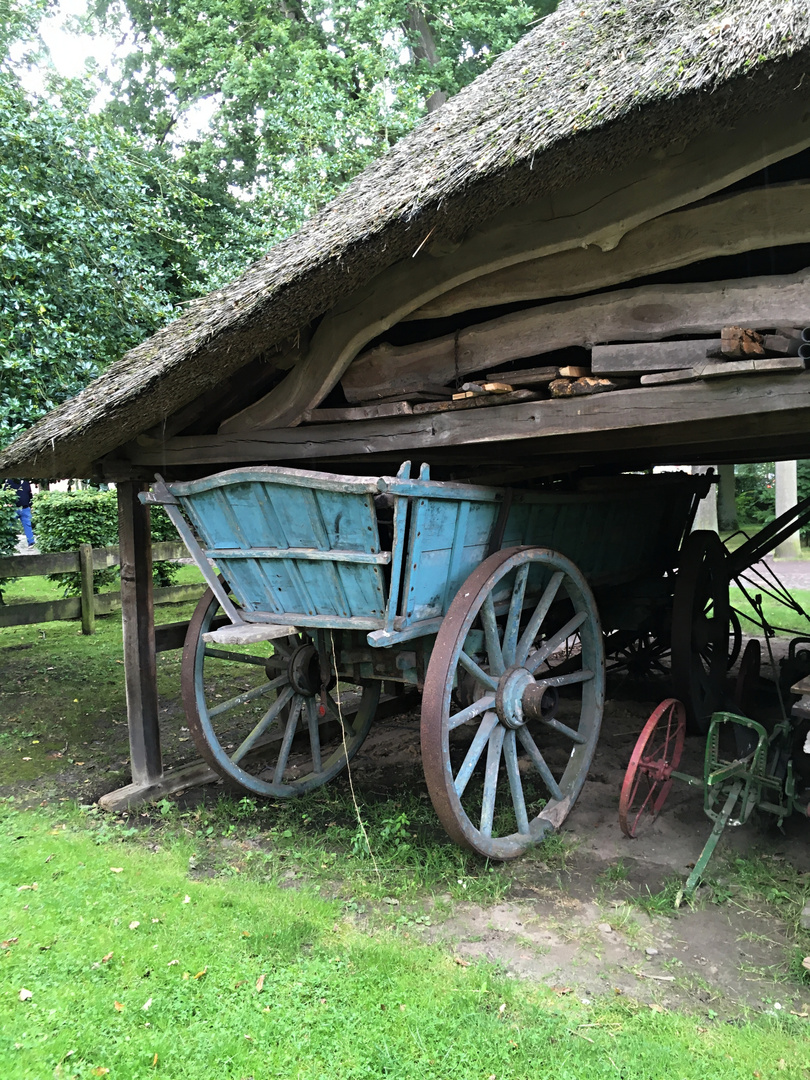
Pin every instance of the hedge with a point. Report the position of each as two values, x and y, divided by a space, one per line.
64 520
9 528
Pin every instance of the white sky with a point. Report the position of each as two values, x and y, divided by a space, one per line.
70 51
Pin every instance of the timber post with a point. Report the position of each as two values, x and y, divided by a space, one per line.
88 602
140 666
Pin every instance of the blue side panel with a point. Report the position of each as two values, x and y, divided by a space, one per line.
252 514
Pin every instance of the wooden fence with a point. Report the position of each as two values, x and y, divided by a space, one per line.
85 607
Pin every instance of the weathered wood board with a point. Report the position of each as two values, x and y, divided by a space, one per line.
647 313
726 369
650 356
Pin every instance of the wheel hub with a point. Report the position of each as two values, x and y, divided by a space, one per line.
520 698
304 671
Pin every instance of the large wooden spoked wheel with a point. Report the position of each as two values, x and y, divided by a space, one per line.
257 713
513 700
656 755
700 629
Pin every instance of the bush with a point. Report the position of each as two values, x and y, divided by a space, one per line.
64 520
9 528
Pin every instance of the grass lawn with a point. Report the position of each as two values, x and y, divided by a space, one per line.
117 962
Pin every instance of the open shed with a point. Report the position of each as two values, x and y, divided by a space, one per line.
594 258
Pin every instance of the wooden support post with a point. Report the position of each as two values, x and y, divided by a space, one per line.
140 669
726 499
88 603
786 498
706 517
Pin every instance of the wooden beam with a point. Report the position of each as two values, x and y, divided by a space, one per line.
138 620
727 225
726 369
625 414
648 312
651 356
598 211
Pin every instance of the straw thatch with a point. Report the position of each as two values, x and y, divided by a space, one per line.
591 87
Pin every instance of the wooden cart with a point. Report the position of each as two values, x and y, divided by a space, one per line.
484 598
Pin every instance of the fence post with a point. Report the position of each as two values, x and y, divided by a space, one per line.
88 604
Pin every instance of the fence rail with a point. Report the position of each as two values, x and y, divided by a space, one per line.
85 607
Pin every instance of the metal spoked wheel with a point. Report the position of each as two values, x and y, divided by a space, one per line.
508 730
656 755
258 715
700 628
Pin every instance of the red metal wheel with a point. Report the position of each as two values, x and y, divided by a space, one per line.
656 755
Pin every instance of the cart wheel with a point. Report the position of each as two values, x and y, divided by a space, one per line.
656 755
517 670
245 704
700 628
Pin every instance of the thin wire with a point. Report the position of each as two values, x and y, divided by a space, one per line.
360 821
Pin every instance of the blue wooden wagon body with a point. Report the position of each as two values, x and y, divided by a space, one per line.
327 580
387 555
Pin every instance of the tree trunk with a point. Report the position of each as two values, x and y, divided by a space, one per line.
786 497
425 49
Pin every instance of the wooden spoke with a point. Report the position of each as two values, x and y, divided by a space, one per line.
471 712
263 725
543 729
539 763
538 615
475 751
270 737
510 634
494 745
515 785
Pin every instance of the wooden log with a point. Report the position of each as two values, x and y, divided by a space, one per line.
737 341
473 401
734 405
565 388
363 412
650 356
597 210
726 369
786 345
88 607
138 622
528 377
726 225
574 372
649 313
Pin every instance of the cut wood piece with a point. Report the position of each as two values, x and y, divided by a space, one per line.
780 365
647 313
463 394
737 341
474 401
572 372
528 377
786 345
598 210
497 388
651 356
564 388
725 225
357 412
248 633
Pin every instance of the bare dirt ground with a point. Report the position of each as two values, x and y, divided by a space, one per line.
575 926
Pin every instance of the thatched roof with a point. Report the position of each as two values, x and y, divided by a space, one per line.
592 86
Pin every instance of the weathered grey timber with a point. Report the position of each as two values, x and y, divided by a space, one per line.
627 416
646 313
727 369
547 115
651 356
724 225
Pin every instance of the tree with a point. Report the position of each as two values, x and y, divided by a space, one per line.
93 249
301 94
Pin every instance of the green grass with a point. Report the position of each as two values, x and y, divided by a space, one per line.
133 966
32 590
788 621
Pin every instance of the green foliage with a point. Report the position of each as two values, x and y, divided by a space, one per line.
756 493
64 520
9 528
95 248
362 72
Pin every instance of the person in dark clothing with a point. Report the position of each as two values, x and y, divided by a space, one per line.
22 489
